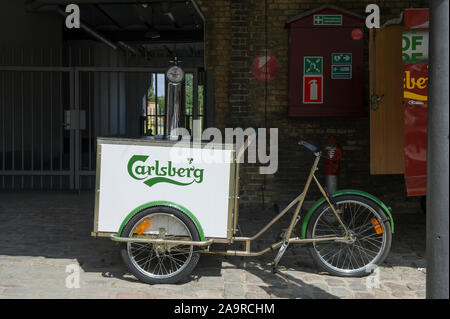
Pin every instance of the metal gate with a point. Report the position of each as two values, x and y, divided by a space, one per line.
35 148
50 118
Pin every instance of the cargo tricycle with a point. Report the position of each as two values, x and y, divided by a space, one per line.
166 202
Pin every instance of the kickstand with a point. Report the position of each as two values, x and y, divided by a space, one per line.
279 255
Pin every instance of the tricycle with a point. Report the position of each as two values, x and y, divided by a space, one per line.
165 203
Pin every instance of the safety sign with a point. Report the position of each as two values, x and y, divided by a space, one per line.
327 19
313 89
341 72
312 65
312 80
341 58
341 67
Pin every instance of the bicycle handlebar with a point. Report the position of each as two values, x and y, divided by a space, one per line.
314 148
309 146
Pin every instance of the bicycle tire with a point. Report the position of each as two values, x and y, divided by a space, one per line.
367 263
146 275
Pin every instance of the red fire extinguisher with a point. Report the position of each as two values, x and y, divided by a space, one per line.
332 164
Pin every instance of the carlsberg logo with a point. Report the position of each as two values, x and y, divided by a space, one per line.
140 167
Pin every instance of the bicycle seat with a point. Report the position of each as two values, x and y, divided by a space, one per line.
311 147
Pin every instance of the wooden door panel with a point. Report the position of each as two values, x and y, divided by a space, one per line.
386 116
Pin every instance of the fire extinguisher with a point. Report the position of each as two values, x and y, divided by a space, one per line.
332 164
313 90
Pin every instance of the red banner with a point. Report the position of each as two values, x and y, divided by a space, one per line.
416 19
415 96
415 127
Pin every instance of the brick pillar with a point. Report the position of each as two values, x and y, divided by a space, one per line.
239 63
217 53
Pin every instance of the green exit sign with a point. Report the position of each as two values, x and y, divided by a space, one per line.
341 58
341 71
327 19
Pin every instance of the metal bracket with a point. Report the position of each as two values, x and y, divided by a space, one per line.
374 99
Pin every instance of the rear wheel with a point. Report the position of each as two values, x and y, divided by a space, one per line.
160 263
367 223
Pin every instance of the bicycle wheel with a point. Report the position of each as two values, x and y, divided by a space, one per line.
369 225
160 263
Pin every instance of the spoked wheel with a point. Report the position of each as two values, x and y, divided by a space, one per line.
371 236
160 263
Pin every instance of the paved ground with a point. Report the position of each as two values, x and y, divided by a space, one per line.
41 234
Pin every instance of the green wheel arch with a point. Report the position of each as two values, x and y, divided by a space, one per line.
162 203
340 193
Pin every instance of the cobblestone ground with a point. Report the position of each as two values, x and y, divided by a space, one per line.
41 234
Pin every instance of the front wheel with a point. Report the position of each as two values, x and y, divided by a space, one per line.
369 226
160 263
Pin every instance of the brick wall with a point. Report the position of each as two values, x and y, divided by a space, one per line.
218 36
237 31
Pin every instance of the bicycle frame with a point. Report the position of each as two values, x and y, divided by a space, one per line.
299 200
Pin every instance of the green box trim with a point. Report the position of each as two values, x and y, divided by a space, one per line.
162 203
340 193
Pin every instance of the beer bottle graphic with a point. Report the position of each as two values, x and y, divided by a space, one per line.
313 94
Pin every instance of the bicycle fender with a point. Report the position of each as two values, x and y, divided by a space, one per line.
162 203
340 193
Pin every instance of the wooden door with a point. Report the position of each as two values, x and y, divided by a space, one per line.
386 107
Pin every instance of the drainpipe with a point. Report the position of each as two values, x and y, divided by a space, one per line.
437 154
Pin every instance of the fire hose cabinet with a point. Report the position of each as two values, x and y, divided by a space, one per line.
326 63
198 179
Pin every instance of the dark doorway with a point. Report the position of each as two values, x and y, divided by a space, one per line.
105 79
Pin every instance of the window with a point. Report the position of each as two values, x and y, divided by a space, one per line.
156 104
190 112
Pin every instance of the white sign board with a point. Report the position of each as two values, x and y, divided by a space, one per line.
133 175
415 46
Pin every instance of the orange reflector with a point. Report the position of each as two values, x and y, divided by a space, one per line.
376 225
142 227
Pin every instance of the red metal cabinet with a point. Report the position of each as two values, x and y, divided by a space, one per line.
326 63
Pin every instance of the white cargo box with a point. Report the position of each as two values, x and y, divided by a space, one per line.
133 174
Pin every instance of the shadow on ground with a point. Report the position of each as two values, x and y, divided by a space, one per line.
58 225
